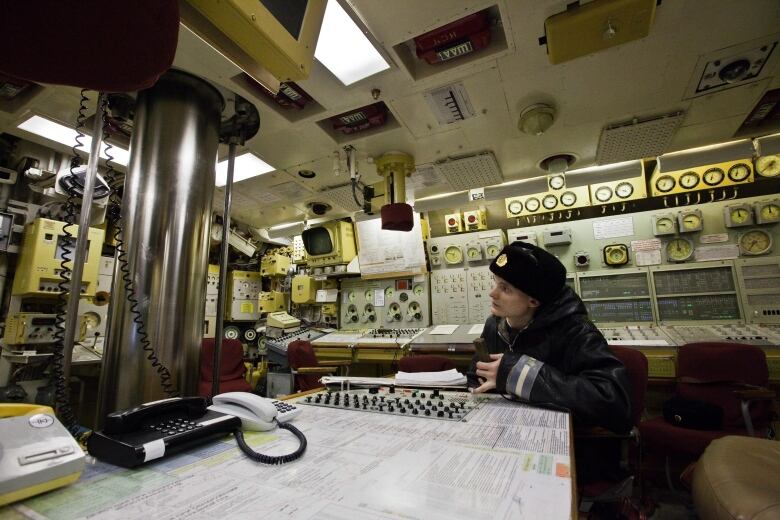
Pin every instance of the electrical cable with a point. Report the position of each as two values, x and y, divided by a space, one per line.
269 459
121 257
61 387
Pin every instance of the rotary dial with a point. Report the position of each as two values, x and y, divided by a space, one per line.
679 249
755 242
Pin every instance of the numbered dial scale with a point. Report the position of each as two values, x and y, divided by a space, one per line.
453 255
767 212
679 249
689 221
615 254
755 242
664 225
738 215
768 165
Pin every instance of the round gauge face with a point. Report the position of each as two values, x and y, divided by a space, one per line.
664 225
770 212
679 249
739 215
92 320
689 180
351 296
473 252
389 292
515 207
713 176
453 255
624 190
616 255
550 201
557 182
664 183
369 295
568 198
603 194
768 165
739 172
493 250
418 289
755 242
691 221
532 204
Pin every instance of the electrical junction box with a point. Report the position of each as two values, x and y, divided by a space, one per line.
243 290
475 220
272 301
304 289
557 238
453 223
275 265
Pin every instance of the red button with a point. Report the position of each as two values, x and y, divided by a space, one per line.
451 222
472 218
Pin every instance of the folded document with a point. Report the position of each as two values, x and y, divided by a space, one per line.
444 378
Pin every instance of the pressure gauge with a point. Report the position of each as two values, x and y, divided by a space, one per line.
532 204
689 220
768 165
767 212
689 180
568 198
615 254
493 250
92 320
515 207
351 296
369 295
755 242
624 190
557 182
663 225
713 176
473 252
738 215
389 292
603 193
739 172
549 201
418 289
453 255
665 183
679 249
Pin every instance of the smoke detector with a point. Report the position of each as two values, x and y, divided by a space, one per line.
536 119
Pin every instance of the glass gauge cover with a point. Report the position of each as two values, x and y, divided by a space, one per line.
689 180
532 204
557 182
755 242
568 198
713 176
679 249
665 183
493 250
739 215
473 252
739 172
453 255
768 165
770 212
515 207
664 225
604 193
550 201
624 190
691 221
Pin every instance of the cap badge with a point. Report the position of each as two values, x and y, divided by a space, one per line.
501 260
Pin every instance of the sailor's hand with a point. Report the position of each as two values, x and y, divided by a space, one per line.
488 372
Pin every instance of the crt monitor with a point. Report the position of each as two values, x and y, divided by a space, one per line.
330 243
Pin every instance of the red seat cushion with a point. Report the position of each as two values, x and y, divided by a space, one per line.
425 364
232 369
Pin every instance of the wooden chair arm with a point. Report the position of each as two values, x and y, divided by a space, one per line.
751 394
315 370
339 363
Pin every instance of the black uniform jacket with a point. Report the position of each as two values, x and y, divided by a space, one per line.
562 359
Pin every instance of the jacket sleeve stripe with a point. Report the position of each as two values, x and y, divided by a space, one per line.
522 377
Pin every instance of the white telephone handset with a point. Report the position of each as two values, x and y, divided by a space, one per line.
256 413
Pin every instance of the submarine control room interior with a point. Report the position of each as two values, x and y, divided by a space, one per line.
492 259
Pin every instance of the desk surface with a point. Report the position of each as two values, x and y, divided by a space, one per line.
507 461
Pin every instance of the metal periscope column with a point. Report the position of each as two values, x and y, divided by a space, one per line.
166 215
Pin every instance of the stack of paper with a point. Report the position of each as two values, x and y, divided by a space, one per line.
444 378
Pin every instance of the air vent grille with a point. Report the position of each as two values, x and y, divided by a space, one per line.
637 139
474 171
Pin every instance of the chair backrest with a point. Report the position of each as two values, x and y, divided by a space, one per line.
425 364
232 367
710 371
300 353
636 365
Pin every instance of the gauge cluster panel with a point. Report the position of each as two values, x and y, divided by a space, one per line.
705 177
618 191
394 303
553 200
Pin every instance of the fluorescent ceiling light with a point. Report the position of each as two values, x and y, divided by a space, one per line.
440 195
65 135
246 165
344 49
285 225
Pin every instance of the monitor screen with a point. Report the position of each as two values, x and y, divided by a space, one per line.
317 241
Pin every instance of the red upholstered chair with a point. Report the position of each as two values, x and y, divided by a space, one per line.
232 369
305 368
425 364
731 376
616 485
